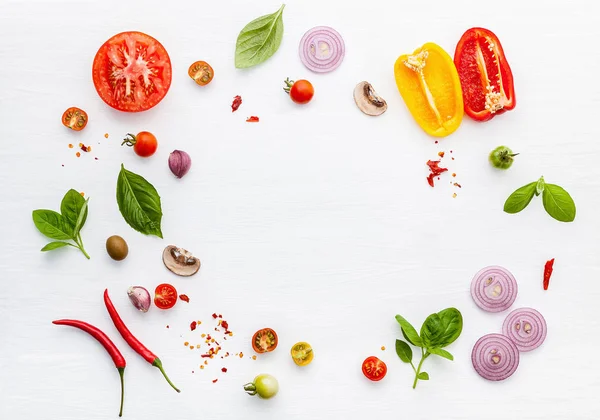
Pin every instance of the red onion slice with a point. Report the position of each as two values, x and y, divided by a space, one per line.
322 49
526 327
494 289
495 357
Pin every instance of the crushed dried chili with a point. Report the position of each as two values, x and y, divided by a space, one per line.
237 101
435 170
193 325
185 298
252 119
548 268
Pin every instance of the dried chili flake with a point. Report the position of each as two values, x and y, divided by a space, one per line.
254 357
456 184
105 135
454 175
185 298
454 195
193 325
241 355
224 370
215 316
187 343
78 154
191 347
167 326
70 146
441 154
201 366
382 348
215 381
225 325
548 268
435 170
220 316
237 101
252 119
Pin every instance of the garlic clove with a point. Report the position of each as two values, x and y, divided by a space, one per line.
140 297
179 163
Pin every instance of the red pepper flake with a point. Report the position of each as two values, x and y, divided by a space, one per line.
435 170
167 326
70 146
191 347
436 142
252 119
78 154
193 325
454 195
105 135
214 316
254 357
456 184
548 268
241 355
225 325
237 101
215 381
450 151
185 298
454 175
95 158
224 370
220 316
452 158
441 154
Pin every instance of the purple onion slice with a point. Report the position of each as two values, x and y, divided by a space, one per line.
495 357
526 327
322 49
494 289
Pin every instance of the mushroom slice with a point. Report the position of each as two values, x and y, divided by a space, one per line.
368 101
180 261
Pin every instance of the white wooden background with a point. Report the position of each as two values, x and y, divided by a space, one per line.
317 221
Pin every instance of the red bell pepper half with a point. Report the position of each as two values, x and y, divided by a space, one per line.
485 76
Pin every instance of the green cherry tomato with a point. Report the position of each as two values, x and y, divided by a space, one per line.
502 157
265 386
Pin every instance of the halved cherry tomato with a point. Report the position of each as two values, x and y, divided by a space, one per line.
132 72
75 119
302 353
485 76
165 296
144 144
201 72
300 91
265 340
374 369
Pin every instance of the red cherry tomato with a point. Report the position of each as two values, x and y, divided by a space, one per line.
265 340
201 72
165 296
132 72
374 369
144 144
75 119
300 91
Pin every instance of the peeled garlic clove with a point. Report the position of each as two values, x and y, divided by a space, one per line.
140 297
368 101
179 163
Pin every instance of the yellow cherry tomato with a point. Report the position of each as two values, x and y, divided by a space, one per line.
428 82
302 353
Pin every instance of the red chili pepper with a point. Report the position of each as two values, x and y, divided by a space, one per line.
185 298
485 76
548 268
103 339
133 342
435 170
237 101
252 119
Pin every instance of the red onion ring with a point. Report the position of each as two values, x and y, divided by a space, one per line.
495 357
322 49
526 327
494 289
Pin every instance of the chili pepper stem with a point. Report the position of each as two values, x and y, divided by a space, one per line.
121 372
250 388
157 363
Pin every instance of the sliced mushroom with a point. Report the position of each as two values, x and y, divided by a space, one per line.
180 261
368 101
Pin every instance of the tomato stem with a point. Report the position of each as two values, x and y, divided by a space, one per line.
250 388
157 363
121 372
289 83
130 140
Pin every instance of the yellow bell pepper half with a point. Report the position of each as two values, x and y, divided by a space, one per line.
429 84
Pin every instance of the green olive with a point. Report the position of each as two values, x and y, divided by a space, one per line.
117 248
502 157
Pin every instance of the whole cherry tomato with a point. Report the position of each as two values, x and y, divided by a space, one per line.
300 91
144 144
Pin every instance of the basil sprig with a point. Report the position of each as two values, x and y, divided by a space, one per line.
66 225
139 203
439 330
556 200
259 40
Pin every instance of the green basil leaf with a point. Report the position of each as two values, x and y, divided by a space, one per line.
404 351
139 203
52 224
558 203
409 332
520 199
54 245
442 329
441 352
71 205
81 218
259 40
424 376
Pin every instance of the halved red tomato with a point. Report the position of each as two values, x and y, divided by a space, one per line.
165 296
265 340
374 369
132 72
